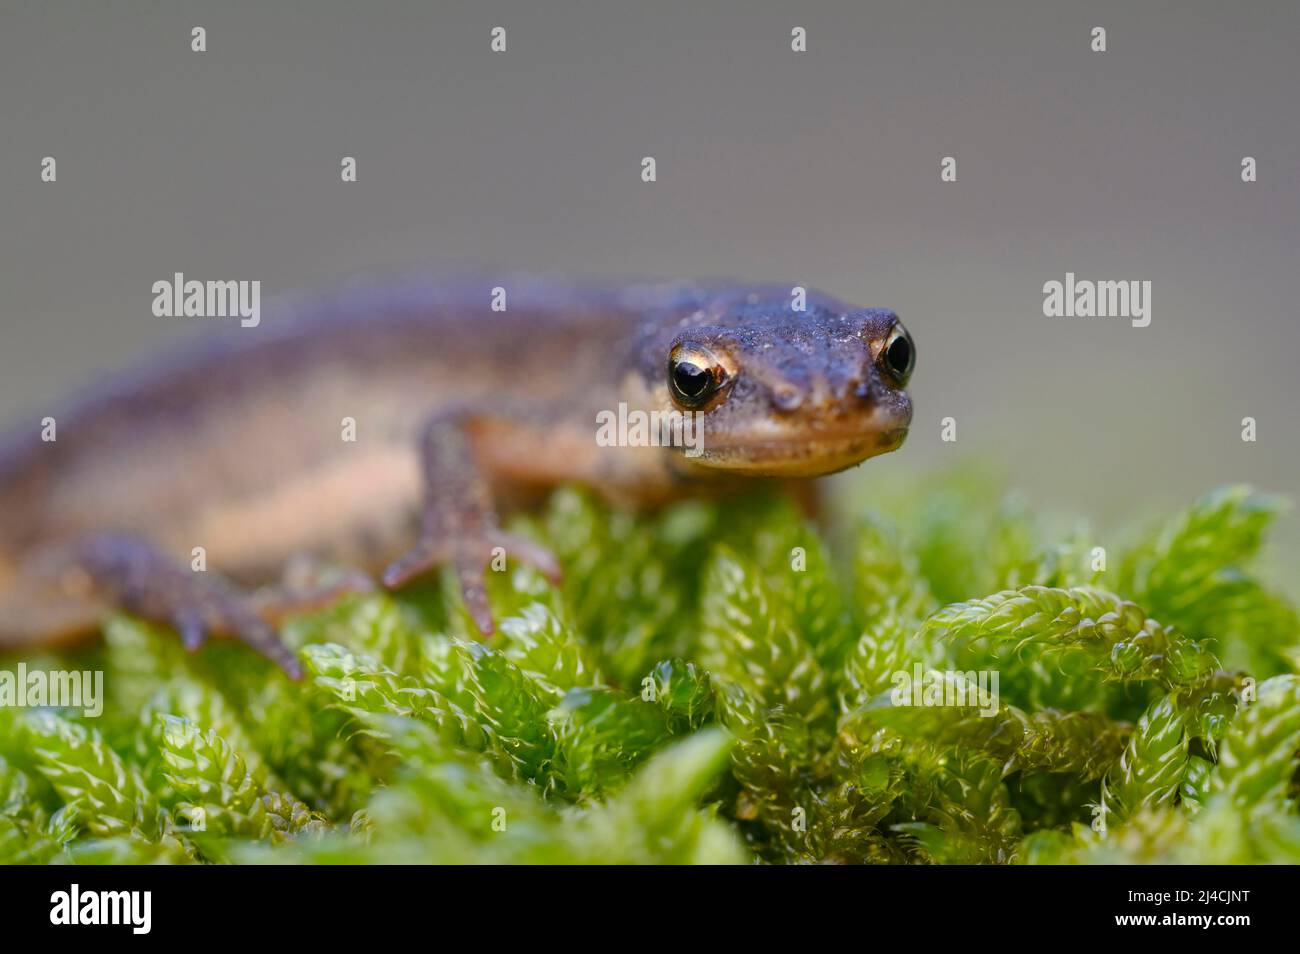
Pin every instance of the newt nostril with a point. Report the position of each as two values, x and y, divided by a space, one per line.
786 398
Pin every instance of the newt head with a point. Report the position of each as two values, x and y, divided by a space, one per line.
783 393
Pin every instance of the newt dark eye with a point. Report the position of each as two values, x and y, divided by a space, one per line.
899 355
694 375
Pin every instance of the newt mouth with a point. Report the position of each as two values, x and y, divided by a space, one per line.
807 457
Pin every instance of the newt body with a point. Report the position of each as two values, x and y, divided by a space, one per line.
240 446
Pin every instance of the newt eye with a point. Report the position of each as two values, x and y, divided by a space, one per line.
694 375
899 355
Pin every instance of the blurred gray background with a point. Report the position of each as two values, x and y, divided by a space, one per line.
820 168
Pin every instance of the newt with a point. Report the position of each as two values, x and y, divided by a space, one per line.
378 426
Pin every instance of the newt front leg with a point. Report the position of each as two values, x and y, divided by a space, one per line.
459 526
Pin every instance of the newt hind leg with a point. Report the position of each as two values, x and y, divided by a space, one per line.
145 581
64 592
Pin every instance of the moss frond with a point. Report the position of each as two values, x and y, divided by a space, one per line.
719 682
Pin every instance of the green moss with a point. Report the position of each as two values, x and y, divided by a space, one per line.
718 683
